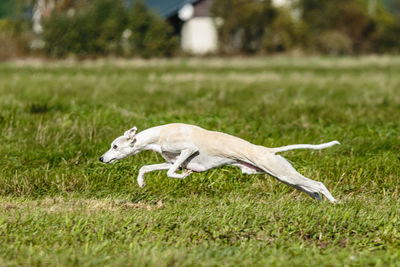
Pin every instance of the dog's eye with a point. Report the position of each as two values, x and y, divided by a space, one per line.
115 146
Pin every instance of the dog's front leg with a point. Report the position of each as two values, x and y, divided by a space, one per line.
149 168
185 154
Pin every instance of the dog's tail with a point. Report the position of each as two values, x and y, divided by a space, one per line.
304 146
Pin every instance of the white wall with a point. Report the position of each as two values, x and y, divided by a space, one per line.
199 36
279 3
40 9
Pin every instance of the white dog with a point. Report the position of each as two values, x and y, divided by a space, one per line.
195 149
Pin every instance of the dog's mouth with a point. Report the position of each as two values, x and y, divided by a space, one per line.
111 161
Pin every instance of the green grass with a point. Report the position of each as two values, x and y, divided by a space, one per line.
60 207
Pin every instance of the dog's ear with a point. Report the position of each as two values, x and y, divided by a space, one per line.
130 134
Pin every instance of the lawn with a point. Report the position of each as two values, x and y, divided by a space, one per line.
59 206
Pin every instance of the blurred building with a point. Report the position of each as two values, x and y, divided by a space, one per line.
42 9
192 21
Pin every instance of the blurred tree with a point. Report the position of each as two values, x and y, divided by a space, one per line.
149 35
110 27
244 23
393 6
345 19
107 27
95 29
7 8
15 9
345 26
386 39
15 28
284 33
108 19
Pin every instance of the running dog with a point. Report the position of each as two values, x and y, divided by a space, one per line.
194 149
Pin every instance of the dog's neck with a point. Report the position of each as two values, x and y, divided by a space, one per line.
148 140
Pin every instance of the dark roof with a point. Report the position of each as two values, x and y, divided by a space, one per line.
166 8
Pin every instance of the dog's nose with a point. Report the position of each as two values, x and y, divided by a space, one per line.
101 158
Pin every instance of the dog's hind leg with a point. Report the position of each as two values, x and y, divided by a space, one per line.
281 169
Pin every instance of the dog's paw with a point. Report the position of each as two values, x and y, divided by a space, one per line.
141 183
335 201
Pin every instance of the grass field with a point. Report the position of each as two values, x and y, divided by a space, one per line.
59 206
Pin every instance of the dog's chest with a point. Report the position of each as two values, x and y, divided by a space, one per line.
169 157
198 162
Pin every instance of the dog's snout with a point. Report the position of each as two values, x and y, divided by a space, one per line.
101 158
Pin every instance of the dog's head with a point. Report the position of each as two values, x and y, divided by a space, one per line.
121 147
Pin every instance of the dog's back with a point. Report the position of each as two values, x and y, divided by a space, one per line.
210 142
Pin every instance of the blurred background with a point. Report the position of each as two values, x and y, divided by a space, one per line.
166 28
